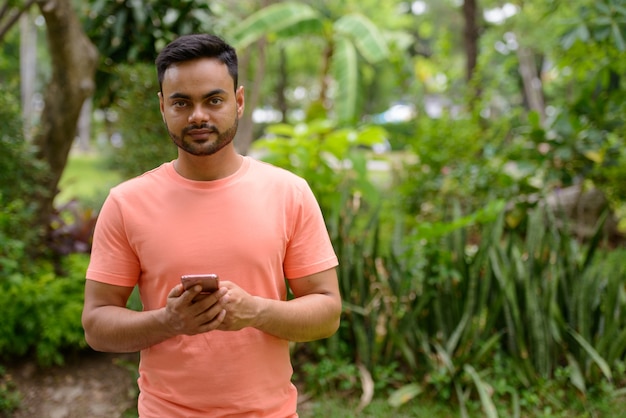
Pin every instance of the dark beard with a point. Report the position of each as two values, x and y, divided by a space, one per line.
208 147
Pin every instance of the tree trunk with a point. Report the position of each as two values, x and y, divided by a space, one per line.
245 133
470 15
74 61
281 87
28 70
533 89
470 39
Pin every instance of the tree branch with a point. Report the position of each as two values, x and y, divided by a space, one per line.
14 16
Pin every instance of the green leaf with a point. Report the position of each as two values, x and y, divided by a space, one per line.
483 391
618 38
365 36
272 19
576 375
595 356
345 71
404 394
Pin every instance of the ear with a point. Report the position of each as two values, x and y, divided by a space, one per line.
240 99
161 105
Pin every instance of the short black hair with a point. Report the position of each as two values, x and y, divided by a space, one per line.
191 47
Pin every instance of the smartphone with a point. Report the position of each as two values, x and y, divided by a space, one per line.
209 282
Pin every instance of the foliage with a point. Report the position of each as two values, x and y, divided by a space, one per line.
128 32
441 296
449 304
344 39
88 179
317 151
455 159
9 394
21 176
593 120
446 296
145 145
41 312
72 228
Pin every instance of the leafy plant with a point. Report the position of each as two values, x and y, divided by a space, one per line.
42 313
20 179
332 160
10 396
346 41
72 228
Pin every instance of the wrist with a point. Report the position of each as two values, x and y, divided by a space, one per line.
259 312
163 323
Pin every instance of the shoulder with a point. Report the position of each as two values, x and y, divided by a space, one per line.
142 182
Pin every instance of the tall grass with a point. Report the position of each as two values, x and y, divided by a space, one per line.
447 302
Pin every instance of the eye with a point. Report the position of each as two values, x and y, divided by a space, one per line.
216 100
179 103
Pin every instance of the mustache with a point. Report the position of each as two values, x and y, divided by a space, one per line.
206 126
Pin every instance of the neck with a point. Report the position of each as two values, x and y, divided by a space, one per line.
208 167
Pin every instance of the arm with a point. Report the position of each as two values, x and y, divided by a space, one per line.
313 313
110 326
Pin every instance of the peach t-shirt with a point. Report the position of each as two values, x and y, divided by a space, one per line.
255 228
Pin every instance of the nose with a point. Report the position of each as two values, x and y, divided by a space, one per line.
199 115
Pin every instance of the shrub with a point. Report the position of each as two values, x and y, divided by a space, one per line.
20 177
42 312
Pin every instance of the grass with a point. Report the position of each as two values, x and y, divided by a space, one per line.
86 177
337 407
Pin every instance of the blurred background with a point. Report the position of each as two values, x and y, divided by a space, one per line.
468 156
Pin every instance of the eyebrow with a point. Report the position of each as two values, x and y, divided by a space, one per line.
204 96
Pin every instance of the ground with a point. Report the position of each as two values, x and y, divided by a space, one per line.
95 385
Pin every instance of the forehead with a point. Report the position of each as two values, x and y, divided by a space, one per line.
196 76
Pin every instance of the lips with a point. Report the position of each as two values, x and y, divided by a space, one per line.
199 134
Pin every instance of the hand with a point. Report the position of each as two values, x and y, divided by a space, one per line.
241 308
188 312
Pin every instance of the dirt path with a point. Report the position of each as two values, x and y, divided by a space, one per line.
95 385
91 385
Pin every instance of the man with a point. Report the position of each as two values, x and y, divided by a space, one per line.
210 211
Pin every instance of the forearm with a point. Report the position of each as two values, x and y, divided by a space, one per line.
121 330
306 318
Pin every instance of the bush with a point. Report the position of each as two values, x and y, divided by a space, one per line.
42 312
20 178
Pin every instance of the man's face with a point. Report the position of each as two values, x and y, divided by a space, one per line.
199 106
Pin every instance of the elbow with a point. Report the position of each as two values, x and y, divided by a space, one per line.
332 329
91 341
91 337
332 325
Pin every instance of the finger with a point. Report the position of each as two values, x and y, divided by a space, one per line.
190 294
176 291
212 298
215 322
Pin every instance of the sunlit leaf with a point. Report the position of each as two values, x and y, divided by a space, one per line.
345 71
595 156
576 375
483 391
365 36
274 18
404 394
